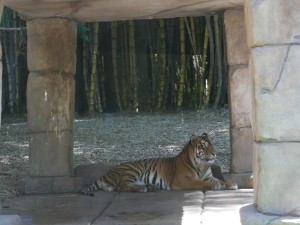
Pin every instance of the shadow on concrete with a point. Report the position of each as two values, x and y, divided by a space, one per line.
113 208
109 208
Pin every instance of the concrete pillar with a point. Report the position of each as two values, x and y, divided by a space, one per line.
239 95
1 72
273 35
50 103
1 68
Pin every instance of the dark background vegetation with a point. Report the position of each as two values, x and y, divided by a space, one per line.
130 66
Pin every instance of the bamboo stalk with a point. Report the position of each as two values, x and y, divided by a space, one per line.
162 62
125 64
133 65
219 60
203 68
196 60
94 67
225 66
211 59
16 64
114 30
153 77
189 59
92 94
9 79
130 79
169 59
102 82
98 95
192 39
182 64
85 71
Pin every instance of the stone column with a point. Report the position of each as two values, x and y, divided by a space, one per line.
1 68
273 34
1 72
239 97
50 104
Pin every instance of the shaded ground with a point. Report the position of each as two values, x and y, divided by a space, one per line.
153 208
115 138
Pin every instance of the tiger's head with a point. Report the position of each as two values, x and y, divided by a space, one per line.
201 150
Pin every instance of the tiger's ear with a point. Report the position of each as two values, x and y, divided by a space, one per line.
204 135
193 139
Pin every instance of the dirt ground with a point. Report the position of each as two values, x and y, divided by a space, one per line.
115 138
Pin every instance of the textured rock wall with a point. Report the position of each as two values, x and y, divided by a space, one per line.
273 29
1 69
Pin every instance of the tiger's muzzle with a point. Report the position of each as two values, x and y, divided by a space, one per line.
210 158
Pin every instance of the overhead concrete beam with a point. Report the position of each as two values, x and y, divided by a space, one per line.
1 68
110 10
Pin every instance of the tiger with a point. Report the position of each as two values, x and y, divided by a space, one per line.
189 170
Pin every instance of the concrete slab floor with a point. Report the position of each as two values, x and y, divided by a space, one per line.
223 207
167 208
112 208
58 209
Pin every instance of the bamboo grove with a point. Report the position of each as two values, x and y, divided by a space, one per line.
14 63
132 66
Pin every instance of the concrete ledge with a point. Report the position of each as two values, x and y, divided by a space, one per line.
48 185
10 219
250 216
243 180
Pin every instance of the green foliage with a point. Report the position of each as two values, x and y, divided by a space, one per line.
83 31
7 17
151 64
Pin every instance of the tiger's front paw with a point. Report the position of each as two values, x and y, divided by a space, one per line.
231 186
219 186
152 188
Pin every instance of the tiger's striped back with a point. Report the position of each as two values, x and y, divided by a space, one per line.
141 176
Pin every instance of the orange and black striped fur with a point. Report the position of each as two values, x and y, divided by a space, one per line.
190 169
